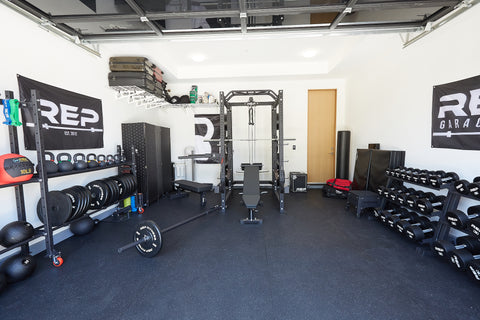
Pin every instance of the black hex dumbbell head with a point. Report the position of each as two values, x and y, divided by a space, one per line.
460 258
417 233
427 206
459 219
443 248
473 268
400 214
461 186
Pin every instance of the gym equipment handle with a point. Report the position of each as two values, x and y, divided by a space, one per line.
133 244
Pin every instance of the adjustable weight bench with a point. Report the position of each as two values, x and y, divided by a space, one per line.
196 187
251 191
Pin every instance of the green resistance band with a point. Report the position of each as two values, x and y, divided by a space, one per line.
14 107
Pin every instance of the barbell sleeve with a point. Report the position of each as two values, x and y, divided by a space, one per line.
133 244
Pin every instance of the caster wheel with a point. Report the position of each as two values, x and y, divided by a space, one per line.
57 261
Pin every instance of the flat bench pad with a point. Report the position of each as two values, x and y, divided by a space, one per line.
194 186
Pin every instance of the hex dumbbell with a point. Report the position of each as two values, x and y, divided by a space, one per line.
401 214
461 186
411 174
420 232
393 195
474 187
473 268
423 178
380 190
403 224
443 248
378 211
416 176
412 199
385 214
398 171
384 191
459 219
404 173
402 198
474 226
461 257
442 177
387 192
426 206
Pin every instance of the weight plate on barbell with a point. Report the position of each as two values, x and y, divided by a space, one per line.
152 246
59 208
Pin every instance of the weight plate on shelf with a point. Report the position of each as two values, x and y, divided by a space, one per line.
88 200
121 187
99 191
128 185
133 182
75 198
109 193
59 208
116 190
113 189
85 203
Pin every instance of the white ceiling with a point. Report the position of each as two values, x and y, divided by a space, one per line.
254 56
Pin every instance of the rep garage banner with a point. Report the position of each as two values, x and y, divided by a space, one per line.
69 120
456 115
207 126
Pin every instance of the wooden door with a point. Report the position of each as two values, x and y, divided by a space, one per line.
322 110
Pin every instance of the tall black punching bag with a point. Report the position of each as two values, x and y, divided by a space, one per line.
343 154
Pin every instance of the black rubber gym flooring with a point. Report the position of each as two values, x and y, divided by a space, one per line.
315 262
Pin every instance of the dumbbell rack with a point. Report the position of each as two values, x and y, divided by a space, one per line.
47 229
451 202
466 231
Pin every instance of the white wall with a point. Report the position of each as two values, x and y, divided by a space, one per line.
389 96
295 120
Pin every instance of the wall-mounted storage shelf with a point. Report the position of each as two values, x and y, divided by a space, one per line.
46 230
142 98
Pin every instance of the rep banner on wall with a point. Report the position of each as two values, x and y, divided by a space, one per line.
69 120
456 115
207 126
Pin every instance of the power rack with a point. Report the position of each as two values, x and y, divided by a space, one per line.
226 141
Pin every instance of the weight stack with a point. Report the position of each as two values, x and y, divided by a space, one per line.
343 154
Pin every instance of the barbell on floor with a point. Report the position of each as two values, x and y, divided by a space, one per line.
147 238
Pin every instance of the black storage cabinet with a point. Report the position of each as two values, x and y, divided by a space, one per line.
154 166
370 166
